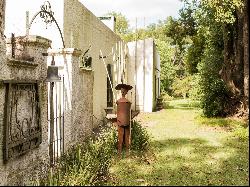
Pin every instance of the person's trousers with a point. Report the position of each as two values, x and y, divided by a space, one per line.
123 137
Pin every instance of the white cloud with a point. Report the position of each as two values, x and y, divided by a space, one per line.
151 10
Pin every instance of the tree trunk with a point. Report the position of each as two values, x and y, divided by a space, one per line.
229 66
246 54
238 71
232 71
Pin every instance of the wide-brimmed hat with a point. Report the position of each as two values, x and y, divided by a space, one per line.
125 86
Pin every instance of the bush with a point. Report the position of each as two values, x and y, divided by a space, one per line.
195 91
87 163
139 137
213 92
166 97
182 86
215 99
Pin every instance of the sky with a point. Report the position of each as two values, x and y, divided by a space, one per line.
146 11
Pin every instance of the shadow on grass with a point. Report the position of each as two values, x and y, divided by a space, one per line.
186 161
220 122
181 108
202 164
181 105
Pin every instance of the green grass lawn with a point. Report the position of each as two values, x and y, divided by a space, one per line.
186 149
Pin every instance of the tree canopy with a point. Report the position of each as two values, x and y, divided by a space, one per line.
204 53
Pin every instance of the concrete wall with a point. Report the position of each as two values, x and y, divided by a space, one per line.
144 59
85 90
81 29
77 104
156 76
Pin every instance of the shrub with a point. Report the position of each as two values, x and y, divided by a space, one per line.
139 137
88 163
166 97
85 164
213 92
182 86
215 99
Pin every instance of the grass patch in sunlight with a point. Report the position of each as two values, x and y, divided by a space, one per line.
181 104
239 129
184 153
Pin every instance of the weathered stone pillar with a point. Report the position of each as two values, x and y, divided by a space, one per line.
23 109
2 39
2 64
2 15
78 93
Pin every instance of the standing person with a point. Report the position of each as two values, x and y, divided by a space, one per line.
123 118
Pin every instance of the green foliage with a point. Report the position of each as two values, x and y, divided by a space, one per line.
89 163
223 10
214 101
166 97
213 91
122 24
194 53
214 94
139 137
195 91
175 30
182 86
203 58
168 69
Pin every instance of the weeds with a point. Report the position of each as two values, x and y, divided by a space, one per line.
238 129
89 163
139 137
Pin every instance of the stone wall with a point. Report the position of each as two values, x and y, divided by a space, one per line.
2 15
77 103
2 39
26 167
80 28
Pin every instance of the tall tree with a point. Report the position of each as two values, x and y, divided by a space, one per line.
246 53
218 30
235 71
122 24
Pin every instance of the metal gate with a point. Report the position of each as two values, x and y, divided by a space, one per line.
56 120
56 92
